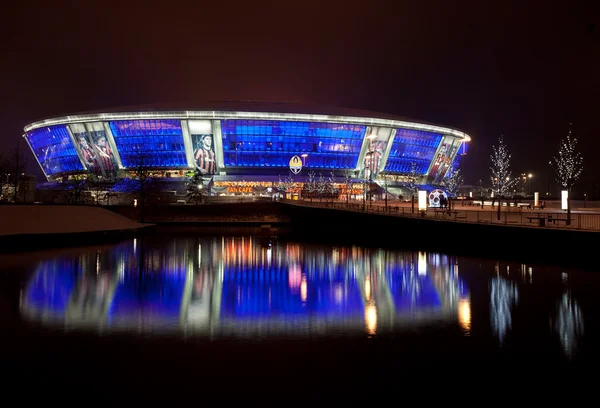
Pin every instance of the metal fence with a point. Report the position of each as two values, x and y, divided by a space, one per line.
508 215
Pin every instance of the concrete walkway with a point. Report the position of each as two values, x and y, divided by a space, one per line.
49 219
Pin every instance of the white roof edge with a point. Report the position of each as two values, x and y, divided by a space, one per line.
182 115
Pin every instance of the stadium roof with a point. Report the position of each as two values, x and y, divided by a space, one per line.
186 110
254 106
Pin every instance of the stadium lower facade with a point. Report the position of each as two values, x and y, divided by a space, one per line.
246 148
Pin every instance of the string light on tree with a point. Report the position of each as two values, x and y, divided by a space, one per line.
569 162
454 182
568 165
502 182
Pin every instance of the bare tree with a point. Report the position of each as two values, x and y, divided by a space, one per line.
141 184
74 189
411 185
568 165
96 186
385 186
2 171
18 164
501 178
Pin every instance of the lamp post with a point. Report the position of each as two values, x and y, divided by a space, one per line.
529 176
304 156
369 154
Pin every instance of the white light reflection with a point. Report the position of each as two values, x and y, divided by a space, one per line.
422 263
464 315
569 324
504 295
294 278
368 287
338 294
199 256
303 289
371 318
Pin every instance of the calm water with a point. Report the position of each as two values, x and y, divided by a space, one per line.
172 299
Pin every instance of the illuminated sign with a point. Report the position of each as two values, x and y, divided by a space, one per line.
564 201
536 199
296 164
422 200
233 189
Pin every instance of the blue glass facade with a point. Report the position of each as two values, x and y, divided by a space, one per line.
271 143
154 295
54 150
412 146
253 292
51 287
158 142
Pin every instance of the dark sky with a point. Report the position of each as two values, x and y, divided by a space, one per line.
522 69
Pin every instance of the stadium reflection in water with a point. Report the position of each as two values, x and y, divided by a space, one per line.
245 286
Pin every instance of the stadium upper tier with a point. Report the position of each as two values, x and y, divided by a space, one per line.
242 139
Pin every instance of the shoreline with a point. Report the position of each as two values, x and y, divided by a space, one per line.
550 246
17 243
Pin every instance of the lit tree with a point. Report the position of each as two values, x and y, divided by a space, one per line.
330 186
454 182
321 185
501 178
311 185
348 182
568 166
281 187
286 184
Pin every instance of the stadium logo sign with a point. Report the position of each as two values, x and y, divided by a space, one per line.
296 164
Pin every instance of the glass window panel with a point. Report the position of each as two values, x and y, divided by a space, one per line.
161 142
412 146
273 142
54 149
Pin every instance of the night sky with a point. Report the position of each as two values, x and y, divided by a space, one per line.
522 69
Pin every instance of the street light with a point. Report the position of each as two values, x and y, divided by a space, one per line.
304 156
369 154
529 176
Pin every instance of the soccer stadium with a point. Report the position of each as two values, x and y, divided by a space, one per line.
246 148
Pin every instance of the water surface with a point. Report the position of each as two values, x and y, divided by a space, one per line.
220 300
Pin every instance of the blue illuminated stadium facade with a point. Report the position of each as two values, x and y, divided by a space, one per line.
246 142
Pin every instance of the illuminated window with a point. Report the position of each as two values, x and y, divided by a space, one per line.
54 150
412 146
271 143
159 143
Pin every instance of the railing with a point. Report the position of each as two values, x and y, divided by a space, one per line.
508 215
